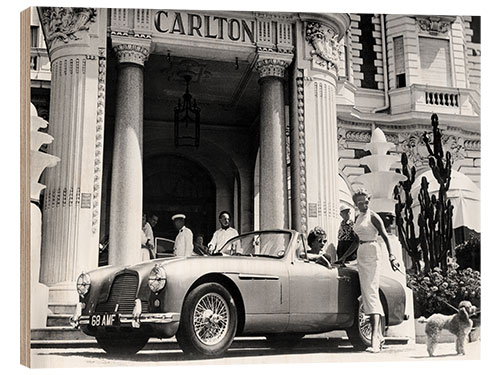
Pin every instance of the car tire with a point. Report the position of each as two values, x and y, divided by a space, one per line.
208 321
122 343
360 332
284 340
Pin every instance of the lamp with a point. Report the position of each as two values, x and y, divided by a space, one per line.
187 119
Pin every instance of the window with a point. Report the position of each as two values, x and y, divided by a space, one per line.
34 36
476 29
367 53
435 65
346 61
399 62
259 244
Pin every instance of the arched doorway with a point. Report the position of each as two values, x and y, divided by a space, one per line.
173 184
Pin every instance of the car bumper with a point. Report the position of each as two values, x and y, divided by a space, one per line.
116 319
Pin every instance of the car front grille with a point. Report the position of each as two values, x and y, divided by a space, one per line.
123 292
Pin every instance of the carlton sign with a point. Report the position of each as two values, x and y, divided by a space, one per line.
205 26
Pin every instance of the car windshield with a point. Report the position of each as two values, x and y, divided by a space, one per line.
271 245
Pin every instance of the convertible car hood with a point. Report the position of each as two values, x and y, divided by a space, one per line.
143 269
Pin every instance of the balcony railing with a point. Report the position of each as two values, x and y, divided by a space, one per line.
425 98
441 98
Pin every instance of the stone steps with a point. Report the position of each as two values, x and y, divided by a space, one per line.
58 320
57 333
59 308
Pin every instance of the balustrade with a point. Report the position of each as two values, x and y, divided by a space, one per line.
442 98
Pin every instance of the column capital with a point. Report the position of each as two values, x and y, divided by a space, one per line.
325 43
273 64
62 25
131 50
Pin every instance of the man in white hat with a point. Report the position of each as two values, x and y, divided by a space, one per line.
184 241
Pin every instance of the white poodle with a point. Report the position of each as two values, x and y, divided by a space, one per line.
458 324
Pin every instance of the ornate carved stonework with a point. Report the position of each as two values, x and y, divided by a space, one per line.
455 145
99 135
273 66
341 139
392 138
326 47
414 147
63 24
434 25
302 152
131 53
358 136
472 144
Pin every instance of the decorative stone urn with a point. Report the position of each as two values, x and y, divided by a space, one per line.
380 182
38 162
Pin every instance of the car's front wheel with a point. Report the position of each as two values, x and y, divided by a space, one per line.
360 333
123 343
208 321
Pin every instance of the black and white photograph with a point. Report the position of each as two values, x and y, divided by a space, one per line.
231 186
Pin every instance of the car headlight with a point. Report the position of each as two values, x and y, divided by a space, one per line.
157 278
83 284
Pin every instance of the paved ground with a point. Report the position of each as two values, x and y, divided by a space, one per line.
251 352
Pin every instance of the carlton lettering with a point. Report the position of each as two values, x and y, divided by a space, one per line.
205 26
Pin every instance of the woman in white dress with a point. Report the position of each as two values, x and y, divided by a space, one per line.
367 226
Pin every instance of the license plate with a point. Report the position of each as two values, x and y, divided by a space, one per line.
103 320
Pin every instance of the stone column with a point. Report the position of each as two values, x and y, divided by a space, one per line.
76 42
126 173
273 187
314 153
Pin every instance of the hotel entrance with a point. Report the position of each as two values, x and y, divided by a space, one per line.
173 184
213 170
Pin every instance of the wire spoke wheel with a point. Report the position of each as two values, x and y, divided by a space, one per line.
365 327
360 333
211 319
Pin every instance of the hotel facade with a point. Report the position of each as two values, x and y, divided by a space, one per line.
287 103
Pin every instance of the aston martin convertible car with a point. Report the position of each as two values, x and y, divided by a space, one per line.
260 283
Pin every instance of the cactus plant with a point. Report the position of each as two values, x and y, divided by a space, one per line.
436 213
404 214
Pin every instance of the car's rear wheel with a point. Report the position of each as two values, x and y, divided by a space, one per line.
122 343
208 321
361 331
284 340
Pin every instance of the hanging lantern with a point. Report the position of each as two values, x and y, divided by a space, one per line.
187 120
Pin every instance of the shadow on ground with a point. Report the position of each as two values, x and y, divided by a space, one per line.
157 353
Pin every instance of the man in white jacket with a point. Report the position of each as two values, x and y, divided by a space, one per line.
223 234
184 241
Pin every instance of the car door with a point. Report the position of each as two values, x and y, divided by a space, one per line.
262 279
313 293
